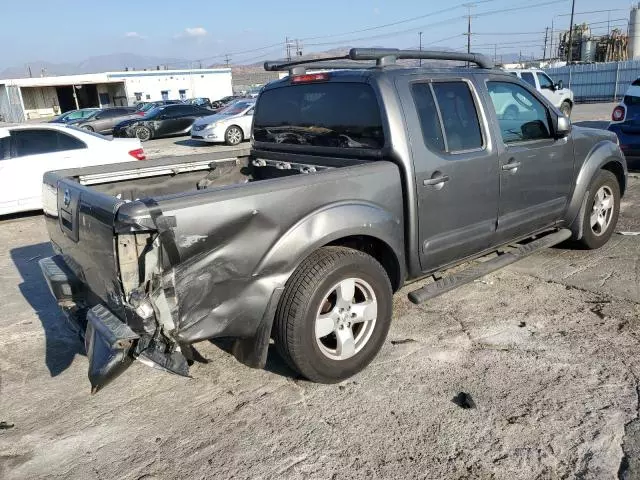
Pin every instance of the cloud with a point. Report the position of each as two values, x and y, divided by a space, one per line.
192 32
134 35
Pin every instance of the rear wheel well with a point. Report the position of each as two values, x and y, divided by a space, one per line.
618 171
379 250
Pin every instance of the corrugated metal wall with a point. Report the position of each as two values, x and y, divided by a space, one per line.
597 82
10 107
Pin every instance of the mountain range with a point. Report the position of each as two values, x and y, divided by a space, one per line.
121 61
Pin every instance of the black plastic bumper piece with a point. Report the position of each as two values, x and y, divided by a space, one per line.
109 344
65 286
455 280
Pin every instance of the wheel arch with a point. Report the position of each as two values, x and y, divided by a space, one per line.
605 155
362 226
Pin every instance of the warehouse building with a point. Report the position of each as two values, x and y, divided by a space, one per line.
25 99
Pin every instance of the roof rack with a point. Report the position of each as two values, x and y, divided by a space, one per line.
382 56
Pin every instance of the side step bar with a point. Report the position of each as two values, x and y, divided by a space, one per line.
476 271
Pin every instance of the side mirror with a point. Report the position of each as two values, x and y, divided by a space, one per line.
562 126
559 85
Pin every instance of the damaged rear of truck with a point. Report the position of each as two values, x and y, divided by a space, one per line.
152 259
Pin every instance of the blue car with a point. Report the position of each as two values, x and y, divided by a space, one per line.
625 123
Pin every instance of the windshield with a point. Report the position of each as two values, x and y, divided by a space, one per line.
154 111
147 107
343 115
235 108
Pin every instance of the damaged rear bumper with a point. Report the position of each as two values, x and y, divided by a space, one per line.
111 345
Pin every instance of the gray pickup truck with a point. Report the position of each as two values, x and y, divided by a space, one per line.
363 175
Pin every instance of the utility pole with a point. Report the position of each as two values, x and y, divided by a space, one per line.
544 52
298 48
227 59
420 47
495 53
288 47
569 49
468 34
30 74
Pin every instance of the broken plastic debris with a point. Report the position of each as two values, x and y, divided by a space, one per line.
486 282
6 425
630 234
464 400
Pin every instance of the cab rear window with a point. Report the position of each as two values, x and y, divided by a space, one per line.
342 115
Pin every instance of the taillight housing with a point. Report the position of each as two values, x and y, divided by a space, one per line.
618 114
138 154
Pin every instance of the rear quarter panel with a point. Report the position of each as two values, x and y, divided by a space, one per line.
230 248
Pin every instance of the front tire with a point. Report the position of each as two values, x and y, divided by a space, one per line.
143 134
565 108
233 136
334 315
602 210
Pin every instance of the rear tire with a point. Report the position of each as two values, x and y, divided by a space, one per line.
88 128
233 136
143 134
602 210
565 108
334 315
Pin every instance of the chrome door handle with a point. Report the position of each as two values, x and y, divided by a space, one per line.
511 166
436 181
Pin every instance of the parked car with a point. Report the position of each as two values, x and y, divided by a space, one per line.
200 102
28 151
625 122
358 182
161 121
224 101
560 97
146 106
105 119
230 125
72 115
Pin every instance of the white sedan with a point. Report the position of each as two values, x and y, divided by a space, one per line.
28 151
230 125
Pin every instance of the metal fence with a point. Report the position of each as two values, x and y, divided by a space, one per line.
597 82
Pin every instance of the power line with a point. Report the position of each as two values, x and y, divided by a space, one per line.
399 22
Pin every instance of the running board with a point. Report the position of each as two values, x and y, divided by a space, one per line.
455 280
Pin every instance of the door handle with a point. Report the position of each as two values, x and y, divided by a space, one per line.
436 181
511 166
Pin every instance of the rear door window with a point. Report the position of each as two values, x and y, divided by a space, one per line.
37 142
448 116
528 77
339 115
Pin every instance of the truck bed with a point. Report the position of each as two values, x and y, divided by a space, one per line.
201 239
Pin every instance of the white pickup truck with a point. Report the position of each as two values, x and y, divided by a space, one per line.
560 97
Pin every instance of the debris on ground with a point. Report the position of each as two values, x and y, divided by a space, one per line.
6 425
464 400
402 342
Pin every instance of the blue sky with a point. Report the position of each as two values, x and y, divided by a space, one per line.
60 31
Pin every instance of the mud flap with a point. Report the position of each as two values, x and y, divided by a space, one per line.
108 343
253 351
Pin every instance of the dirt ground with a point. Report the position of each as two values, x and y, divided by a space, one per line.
546 350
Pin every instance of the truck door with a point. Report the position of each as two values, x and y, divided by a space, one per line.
536 169
548 89
456 169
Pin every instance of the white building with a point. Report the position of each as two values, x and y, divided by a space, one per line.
29 98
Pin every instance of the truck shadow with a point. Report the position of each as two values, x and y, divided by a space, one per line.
62 343
275 363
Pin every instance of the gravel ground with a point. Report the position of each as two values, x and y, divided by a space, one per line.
546 351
